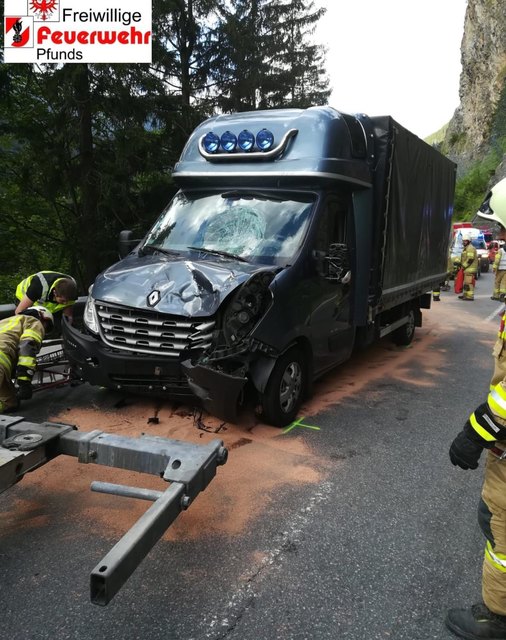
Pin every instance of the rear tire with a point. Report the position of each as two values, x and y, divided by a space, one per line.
285 389
404 335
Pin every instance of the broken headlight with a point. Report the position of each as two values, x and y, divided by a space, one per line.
247 307
90 315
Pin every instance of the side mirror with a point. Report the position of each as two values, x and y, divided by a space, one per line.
126 243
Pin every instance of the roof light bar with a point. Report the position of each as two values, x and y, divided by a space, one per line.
242 147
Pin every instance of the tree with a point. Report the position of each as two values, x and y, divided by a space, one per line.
267 57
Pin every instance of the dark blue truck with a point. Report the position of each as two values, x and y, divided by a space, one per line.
297 235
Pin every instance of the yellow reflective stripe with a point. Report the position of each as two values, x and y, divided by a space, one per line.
29 333
497 560
497 401
26 361
10 324
480 430
5 361
24 378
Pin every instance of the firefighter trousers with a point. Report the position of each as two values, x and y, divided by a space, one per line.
7 390
492 519
468 291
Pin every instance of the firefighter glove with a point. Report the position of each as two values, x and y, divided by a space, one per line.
24 389
465 451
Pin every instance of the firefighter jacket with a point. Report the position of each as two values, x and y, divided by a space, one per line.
500 261
39 287
469 259
20 340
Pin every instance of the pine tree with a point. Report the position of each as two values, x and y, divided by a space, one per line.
267 57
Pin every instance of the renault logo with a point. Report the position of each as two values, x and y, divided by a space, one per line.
154 298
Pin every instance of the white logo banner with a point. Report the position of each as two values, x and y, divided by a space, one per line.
52 31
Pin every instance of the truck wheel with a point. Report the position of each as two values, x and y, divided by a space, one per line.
285 389
485 266
404 335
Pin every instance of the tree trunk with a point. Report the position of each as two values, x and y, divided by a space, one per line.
89 229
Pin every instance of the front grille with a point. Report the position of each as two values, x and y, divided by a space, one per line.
141 331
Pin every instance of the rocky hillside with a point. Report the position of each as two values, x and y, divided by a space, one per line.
477 131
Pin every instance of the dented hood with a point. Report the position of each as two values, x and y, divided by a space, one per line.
185 287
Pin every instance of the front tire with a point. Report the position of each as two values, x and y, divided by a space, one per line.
285 389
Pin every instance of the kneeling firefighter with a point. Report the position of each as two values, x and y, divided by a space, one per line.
20 341
486 429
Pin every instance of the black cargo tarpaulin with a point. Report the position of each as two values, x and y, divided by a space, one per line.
414 187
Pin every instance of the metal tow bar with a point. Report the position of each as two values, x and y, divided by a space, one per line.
26 446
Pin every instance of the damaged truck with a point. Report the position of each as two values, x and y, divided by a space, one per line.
296 236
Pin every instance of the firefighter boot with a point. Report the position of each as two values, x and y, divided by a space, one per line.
476 623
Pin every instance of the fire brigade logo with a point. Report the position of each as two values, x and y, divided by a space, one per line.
43 9
18 31
154 298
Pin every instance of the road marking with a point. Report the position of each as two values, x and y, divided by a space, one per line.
248 588
500 309
299 423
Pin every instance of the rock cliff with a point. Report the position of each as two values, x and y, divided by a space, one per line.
478 127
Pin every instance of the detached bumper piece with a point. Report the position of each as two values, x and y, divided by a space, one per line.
218 391
25 446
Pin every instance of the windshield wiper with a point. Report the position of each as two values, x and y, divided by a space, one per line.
152 248
223 254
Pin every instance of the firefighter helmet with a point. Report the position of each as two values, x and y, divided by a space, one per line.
494 206
42 314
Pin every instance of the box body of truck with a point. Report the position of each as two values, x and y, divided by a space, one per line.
296 236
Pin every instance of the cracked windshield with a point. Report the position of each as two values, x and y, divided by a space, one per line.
253 226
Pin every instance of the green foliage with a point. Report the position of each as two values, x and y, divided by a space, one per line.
266 56
471 188
87 150
438 136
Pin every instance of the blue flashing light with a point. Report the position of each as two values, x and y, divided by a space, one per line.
211 142
265 139
228 141
246 140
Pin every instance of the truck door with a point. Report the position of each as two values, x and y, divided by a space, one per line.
328 292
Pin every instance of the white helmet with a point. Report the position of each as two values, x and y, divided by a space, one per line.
494 206
42 314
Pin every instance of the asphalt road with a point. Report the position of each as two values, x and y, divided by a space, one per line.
375 539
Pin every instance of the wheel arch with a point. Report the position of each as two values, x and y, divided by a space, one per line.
261 369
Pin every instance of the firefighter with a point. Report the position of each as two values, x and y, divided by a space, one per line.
499 268
469 262
486 429
20 340
55 291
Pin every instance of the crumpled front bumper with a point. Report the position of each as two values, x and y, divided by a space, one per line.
94 362
218 391
100 365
